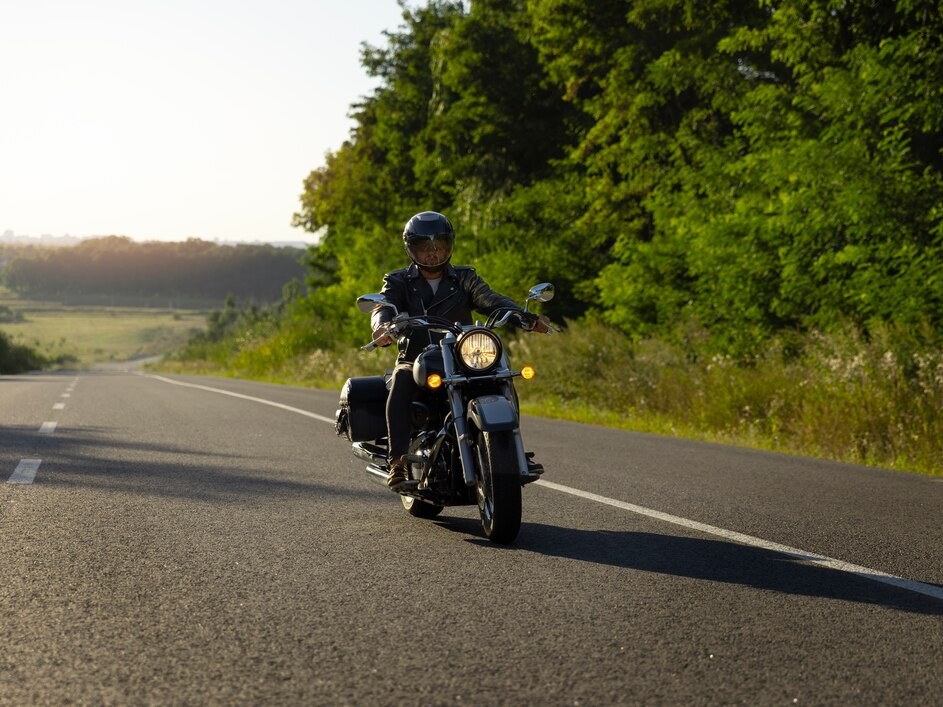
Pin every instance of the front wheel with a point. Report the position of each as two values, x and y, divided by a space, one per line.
499 486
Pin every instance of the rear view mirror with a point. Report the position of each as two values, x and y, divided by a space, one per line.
370 303
541 293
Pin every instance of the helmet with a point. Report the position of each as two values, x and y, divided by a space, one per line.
428 238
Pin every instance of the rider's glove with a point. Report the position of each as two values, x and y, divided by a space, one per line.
534 322
381 335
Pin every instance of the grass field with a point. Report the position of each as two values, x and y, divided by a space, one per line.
84 336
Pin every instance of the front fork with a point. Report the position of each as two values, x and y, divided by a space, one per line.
460 421
461 435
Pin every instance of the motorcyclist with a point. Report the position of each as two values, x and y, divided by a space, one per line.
429 286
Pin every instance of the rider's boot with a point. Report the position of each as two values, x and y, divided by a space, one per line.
398 473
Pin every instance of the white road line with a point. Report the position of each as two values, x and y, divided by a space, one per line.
809 557
47 428
322 418
66 395
59 406
25 471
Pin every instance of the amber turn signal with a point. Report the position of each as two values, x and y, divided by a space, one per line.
434 381
528 372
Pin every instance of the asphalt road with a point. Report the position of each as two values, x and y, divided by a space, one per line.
169 544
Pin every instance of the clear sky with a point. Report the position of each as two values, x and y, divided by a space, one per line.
170 119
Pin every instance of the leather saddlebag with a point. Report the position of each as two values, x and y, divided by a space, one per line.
362 412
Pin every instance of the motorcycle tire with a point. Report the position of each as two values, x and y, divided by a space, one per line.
420 509
499 495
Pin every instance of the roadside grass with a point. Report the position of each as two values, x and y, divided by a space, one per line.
79 337
874 400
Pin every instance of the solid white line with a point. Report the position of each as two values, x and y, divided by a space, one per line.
809 557
322 418
25 471
47 428
59 406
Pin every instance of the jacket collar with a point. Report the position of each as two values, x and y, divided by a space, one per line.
412 272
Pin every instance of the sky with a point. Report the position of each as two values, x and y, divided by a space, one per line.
175 119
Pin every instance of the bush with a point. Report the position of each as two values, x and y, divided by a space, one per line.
16 358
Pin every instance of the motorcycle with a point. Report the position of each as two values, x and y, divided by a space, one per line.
465 445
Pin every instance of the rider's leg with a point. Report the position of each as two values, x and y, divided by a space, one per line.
398 423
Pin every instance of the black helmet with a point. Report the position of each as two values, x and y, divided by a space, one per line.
428 238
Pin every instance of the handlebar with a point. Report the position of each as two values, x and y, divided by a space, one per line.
401 323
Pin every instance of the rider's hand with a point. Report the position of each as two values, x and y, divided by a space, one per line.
381 336
542 325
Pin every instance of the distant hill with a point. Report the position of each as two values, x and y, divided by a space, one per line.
117 270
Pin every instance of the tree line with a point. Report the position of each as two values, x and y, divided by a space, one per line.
734 168
125 271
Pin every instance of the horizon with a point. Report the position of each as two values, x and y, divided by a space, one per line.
66 239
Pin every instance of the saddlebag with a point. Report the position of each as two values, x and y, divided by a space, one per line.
362 412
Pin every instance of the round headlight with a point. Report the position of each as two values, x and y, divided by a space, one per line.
479 350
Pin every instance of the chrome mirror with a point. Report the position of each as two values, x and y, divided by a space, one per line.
541 293
370 303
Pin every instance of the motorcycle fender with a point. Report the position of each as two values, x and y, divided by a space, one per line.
492 413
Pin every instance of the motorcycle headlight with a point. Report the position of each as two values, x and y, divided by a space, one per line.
479 350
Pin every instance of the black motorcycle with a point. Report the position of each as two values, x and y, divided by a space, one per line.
465 447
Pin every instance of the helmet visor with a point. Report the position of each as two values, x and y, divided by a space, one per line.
428 251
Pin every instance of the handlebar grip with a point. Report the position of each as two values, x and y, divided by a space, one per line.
369 347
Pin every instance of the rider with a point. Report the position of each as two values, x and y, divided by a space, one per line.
430 286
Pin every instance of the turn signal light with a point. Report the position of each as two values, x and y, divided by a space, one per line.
434 381
528 372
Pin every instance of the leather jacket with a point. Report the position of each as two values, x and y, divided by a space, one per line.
460 292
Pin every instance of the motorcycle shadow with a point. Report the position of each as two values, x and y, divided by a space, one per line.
702 558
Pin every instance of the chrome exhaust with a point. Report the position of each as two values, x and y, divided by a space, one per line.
377 473
369 453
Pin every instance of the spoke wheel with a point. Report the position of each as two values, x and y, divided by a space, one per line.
499 486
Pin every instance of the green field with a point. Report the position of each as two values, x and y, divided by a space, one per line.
83 336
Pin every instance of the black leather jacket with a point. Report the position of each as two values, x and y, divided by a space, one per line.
460 293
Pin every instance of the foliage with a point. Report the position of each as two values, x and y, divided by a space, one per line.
18 358
744 166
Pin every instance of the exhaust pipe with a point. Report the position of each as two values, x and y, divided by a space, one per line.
375 458
373 455
377 473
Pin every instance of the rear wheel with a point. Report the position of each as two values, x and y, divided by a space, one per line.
499 486
420 509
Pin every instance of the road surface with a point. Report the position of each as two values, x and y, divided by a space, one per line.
172 540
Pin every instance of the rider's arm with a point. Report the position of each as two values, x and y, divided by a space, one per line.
393 288
486 300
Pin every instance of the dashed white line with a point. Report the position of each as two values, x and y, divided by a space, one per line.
47 428
25 471
59 406
810 557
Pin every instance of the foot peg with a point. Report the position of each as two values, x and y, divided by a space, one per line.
533 468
